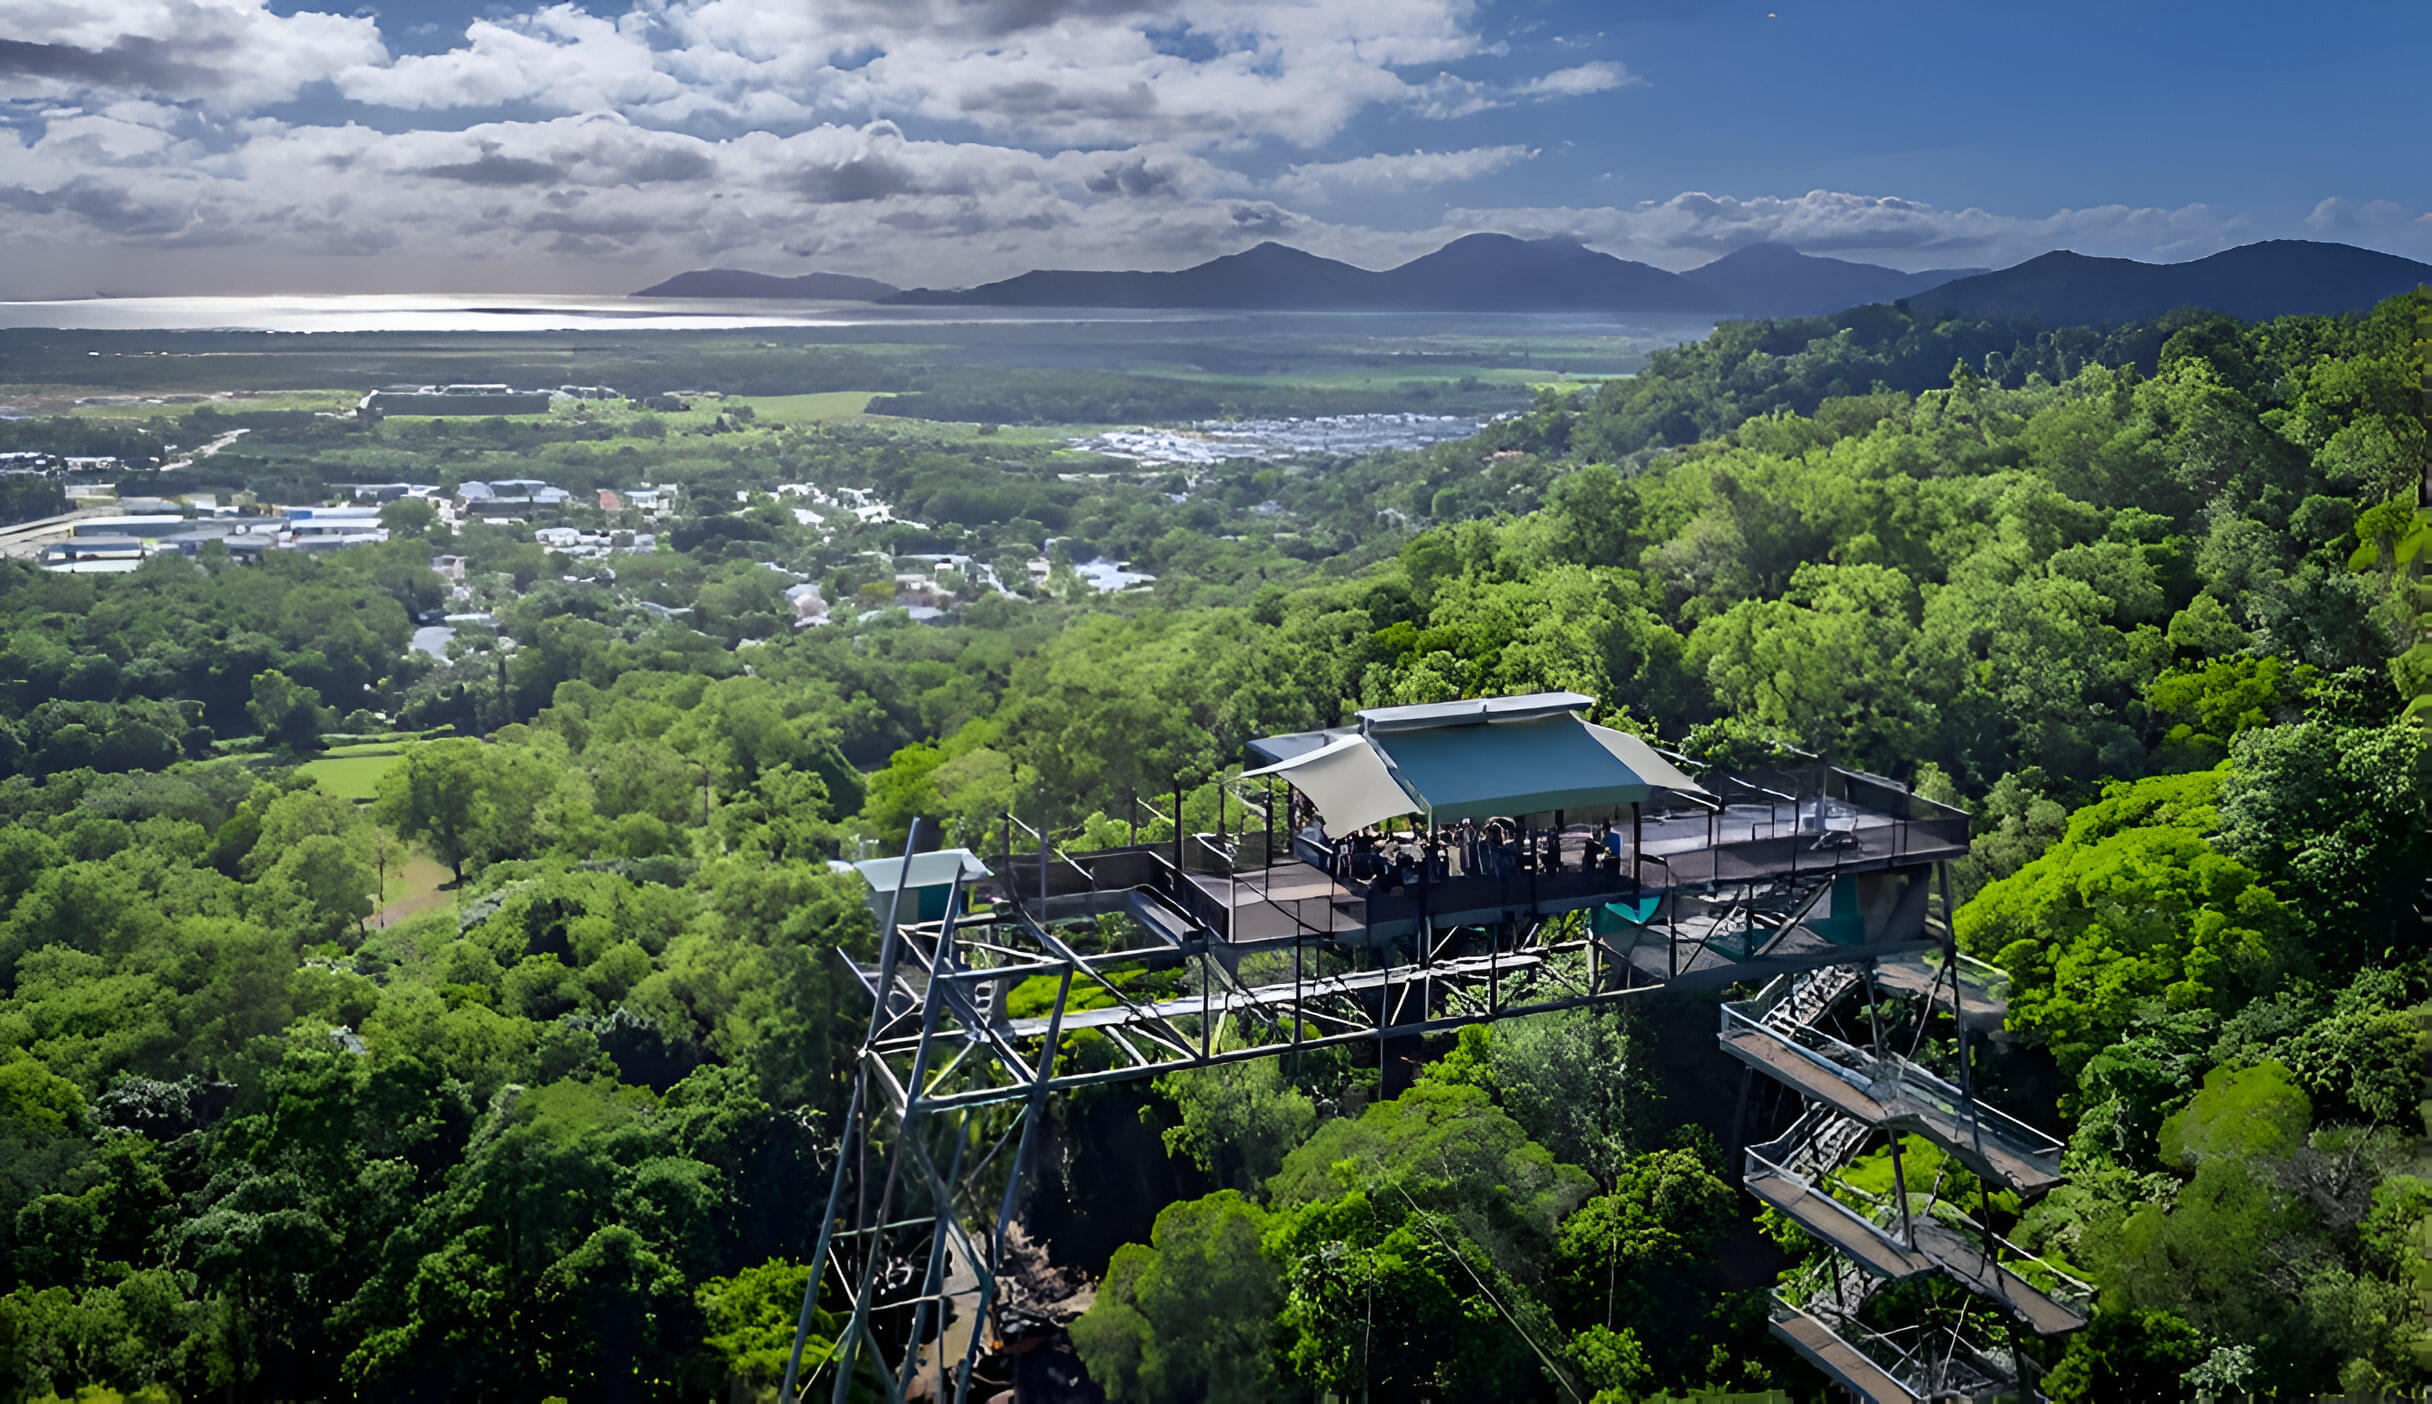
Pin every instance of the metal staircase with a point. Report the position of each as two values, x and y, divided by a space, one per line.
1811 995
1874 1240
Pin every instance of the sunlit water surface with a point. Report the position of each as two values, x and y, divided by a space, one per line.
487 312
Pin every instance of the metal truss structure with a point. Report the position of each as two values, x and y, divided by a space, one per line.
1058 971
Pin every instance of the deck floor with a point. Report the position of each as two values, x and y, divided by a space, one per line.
1981 1150
1912 975
1838 1226
1288 901
1965 1260
1798 947
1841 1360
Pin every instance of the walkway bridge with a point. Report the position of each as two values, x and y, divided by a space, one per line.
1434 869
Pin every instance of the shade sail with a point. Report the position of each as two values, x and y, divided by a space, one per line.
935 869
1512 768
1274 750
1642 759
1347 781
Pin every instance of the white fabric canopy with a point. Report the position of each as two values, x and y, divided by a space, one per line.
1348 783
1654 770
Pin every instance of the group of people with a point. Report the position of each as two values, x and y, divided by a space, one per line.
1495 848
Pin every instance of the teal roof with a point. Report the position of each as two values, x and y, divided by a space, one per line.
1510 768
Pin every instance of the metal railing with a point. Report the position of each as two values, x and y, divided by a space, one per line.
2038 1272
1887 1079
1850 1219
1930 1361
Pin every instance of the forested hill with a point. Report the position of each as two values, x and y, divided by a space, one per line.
2148 605
2276 278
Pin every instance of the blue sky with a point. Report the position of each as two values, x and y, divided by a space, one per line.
431 143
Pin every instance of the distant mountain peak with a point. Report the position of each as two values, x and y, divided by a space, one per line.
1775 279
1763 251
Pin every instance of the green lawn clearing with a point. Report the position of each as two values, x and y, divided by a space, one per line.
819 407
353 776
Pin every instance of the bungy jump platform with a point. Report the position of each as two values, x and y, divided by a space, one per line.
1428 868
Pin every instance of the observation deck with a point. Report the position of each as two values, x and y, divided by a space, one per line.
1437 867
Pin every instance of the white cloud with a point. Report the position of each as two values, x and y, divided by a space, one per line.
560 57
2383 223
1695 226
228 55
1580 80
1384 174
1041 72
937 141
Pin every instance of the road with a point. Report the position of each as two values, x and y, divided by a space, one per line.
25 540
205 451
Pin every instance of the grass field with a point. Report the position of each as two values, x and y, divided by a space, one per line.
820 407
417 888
174 405
351 772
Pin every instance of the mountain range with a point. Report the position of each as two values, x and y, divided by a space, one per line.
2252 282
1500 273
1477 273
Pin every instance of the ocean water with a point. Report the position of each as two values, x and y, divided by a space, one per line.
498 312
501 312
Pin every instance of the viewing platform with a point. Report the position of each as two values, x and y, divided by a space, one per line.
1452 865
1982 998
1836 1224
1935 1361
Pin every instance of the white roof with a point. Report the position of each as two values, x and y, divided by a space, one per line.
1347 781
1635 753
928 869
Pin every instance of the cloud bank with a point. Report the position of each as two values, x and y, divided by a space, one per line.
936 141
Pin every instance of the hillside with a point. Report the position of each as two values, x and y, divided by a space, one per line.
2253 282
1776 280
1496 272
1268 275
737 282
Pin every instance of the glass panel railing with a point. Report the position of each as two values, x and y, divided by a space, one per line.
2040 1273
1905 1080
1888 1080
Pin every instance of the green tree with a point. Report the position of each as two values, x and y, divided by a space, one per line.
435 795
326 882
286 712
1191 1316
2133 905
1239 1120
2126 1355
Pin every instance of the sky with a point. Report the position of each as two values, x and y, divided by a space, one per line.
195 146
